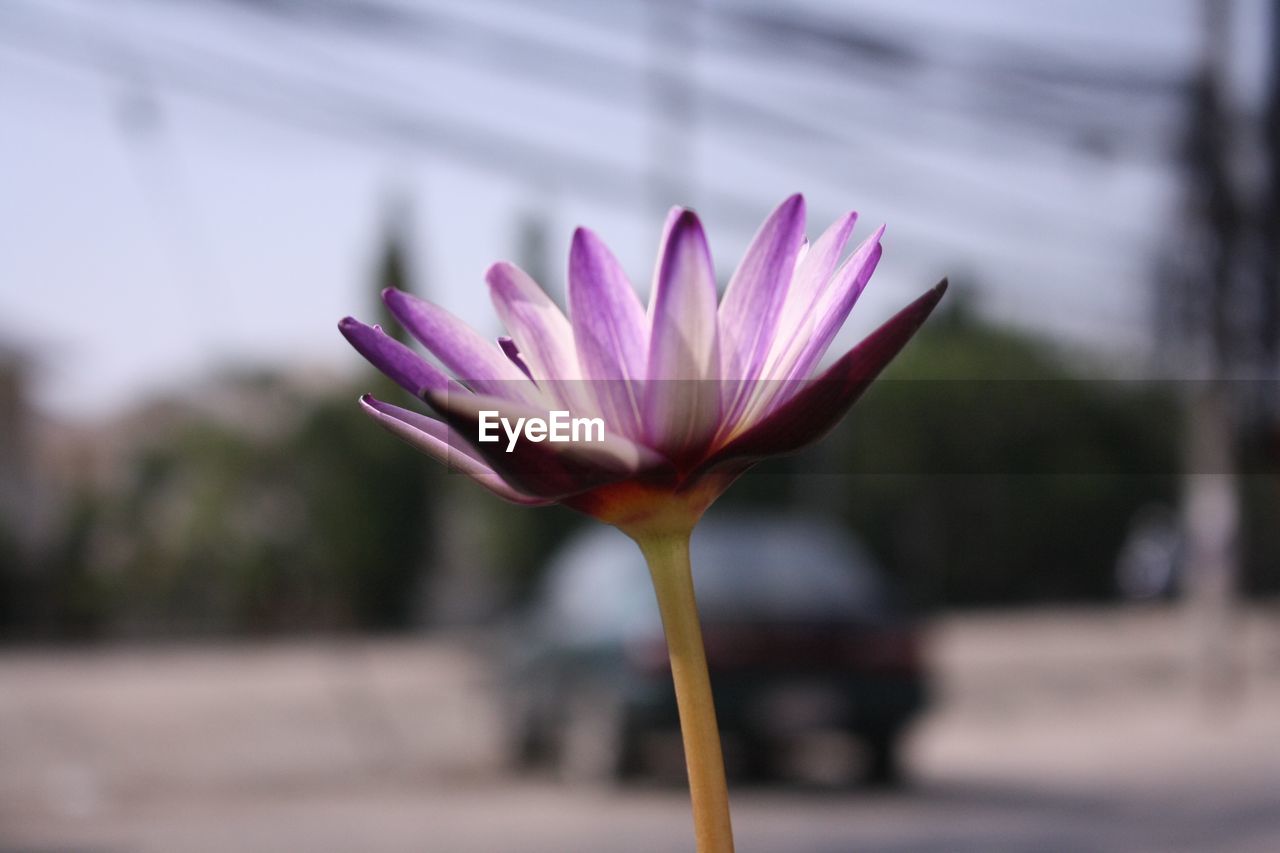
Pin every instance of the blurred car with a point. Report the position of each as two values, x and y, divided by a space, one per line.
801 636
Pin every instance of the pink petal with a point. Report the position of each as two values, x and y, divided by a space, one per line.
542 333
512 352
608 329
812 277
832 308
753 301
812 412
682 392
404 366
535 322
547 469
439 442
811 329
476 361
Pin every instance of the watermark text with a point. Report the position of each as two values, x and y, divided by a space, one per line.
558 426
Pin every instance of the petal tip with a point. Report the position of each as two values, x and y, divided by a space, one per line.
587 247
919 310
790 217
497 271
393 296
358 334
685 218
929 300
793 206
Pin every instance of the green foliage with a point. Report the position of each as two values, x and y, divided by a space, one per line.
12 585
323 523
366 501
393 267
981 470
990 472
1260 531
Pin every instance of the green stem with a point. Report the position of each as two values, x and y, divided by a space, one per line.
668 556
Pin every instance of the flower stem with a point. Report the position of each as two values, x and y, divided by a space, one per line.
668 556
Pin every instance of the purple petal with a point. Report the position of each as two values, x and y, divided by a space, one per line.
754 298
512 352
546 469
813 411
608 329
808 330
439 442
812 276
543 334
682 393
535 323
833 306
673 215
473 359
404 366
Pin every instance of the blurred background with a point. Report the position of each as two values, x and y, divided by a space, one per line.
235 614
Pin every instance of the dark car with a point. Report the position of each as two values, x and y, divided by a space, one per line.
801 637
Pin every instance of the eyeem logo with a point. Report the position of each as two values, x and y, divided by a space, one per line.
558 427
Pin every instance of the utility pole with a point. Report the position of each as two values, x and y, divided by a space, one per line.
1208 281
672 49
1269 220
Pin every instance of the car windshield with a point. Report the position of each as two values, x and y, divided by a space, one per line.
782 571
749 569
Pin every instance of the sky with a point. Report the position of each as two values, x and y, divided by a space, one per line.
176 197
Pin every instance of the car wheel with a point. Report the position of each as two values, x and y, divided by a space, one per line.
525 745
884 760
760 761
596 747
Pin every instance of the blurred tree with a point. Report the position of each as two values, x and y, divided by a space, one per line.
197 539
366 501
314 523
983 471
13 588
277 507
74 595
532 247
393 265
281 508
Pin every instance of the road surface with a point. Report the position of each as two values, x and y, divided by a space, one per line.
1056 731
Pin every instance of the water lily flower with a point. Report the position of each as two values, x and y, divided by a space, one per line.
692 391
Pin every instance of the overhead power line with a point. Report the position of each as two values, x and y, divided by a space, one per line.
354 107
